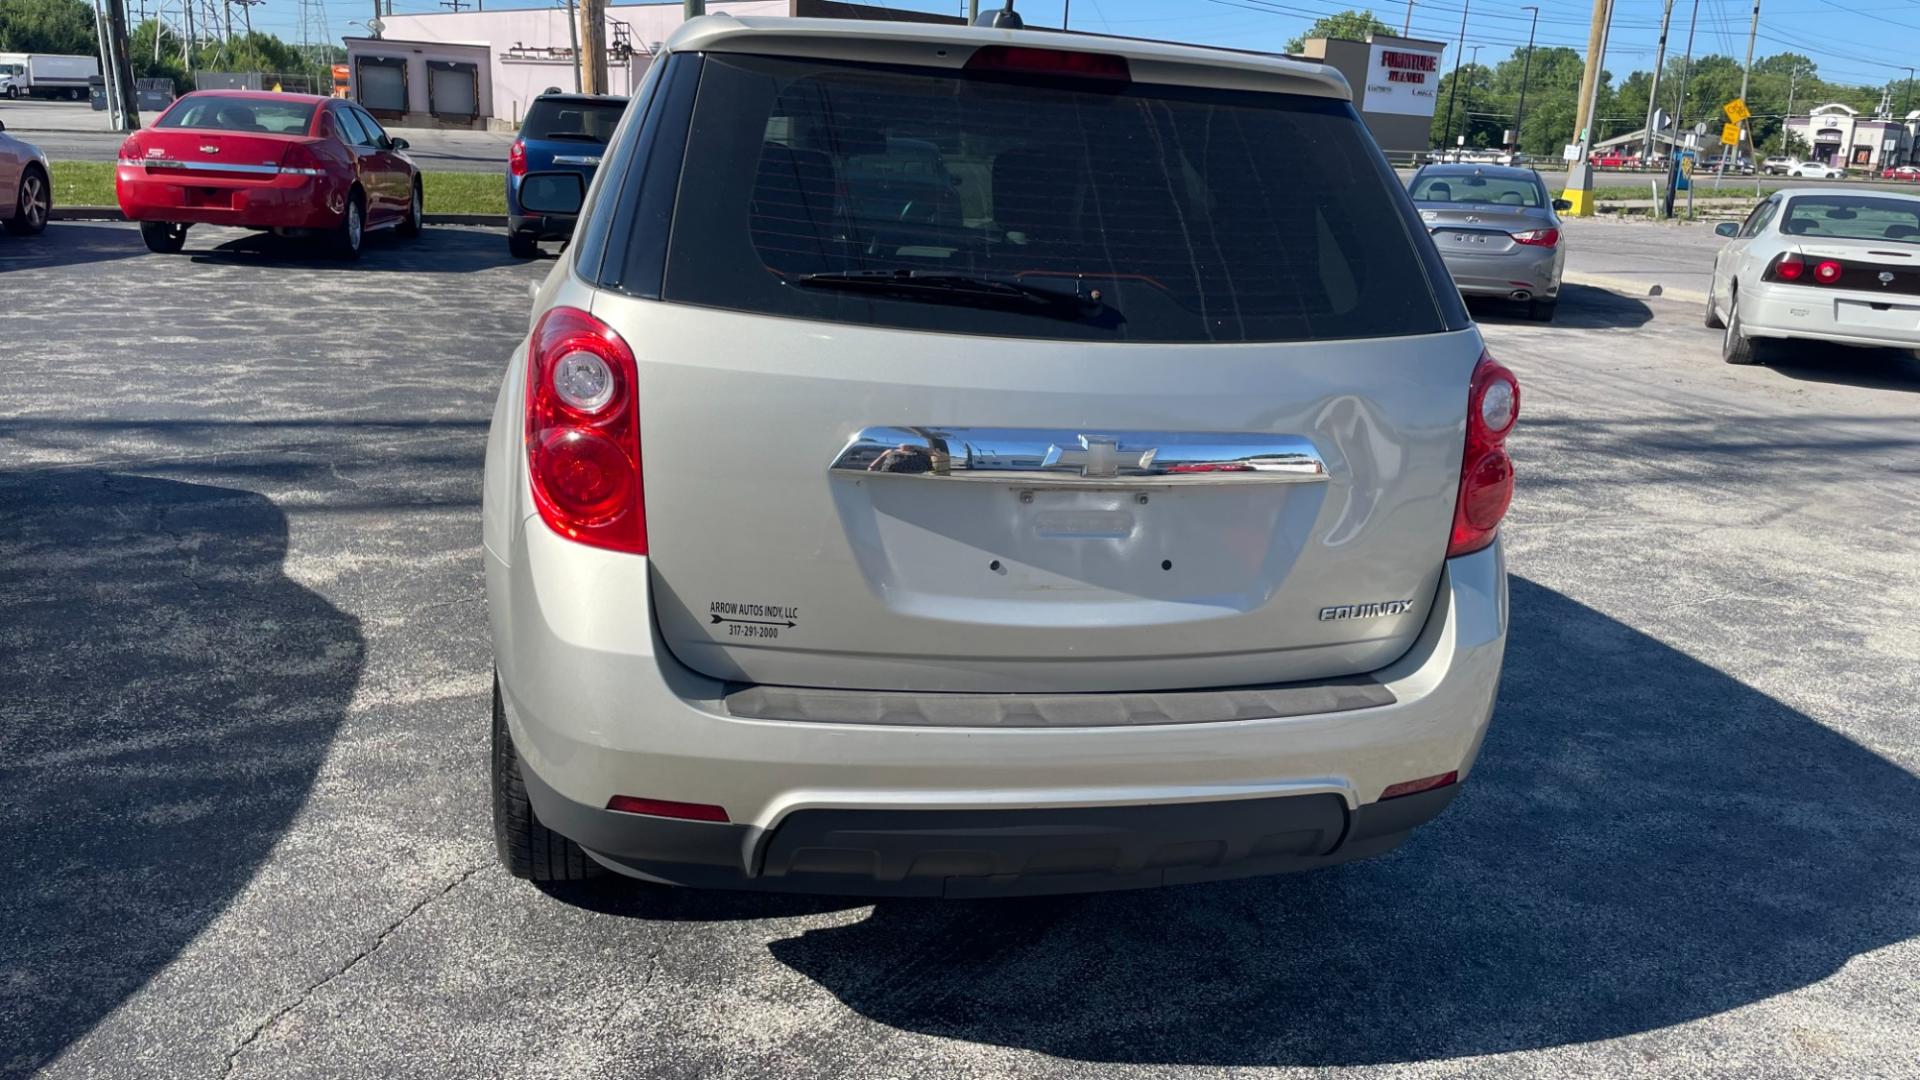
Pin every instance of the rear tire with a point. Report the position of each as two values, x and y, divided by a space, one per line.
416 218
32 205
1542 310
163 237
527 848
522 245
1735 346
351 235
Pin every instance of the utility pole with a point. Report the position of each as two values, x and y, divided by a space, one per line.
1066 14
1526 73
122 85
1686 70
593 39
1653 92
573 35
1407 27
693 9
1579 190
1454 89
1745 72
973 12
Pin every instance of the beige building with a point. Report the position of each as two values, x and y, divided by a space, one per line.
1396 84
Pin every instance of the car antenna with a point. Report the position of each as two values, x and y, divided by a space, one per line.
1004 19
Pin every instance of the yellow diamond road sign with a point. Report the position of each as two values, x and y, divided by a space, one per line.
1730 134
1737 111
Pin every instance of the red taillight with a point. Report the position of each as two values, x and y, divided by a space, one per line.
517 157
685 811
583 432
1486 473
1415 787
1027 61
1538 237
300 159
130 148
1789 267
1827 272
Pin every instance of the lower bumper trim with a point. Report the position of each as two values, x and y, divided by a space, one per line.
1001 852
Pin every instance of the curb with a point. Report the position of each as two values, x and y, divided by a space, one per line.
112 213
1633 287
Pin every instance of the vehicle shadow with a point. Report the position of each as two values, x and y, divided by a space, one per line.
69 243
438 249
1645 841
1871 369
170 695
1582 307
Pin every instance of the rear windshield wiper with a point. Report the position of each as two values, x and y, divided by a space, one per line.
1070 300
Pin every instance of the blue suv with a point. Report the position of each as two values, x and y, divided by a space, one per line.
562 133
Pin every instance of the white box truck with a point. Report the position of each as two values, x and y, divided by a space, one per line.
46 75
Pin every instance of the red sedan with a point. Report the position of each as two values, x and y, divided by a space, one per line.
292 163
1901 172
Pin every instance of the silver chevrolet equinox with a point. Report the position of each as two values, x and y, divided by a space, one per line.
956 461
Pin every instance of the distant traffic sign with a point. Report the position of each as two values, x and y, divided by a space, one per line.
1730 134
1737 111
1700 128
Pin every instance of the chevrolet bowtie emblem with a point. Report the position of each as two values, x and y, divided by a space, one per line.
1099 457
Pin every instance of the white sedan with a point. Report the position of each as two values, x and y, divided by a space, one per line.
1817 170
1819 264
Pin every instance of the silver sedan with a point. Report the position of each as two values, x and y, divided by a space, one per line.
1498 230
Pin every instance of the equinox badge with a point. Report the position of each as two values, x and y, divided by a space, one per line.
1365 611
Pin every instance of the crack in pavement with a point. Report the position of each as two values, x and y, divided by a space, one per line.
305 995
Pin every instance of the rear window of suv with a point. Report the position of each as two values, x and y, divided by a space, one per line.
1168 213
581 121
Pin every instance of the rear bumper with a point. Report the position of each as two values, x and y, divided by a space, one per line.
542 226
598 707
1535 271
285 201
998 852
1801 313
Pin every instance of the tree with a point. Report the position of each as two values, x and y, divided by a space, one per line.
53 26
1345 26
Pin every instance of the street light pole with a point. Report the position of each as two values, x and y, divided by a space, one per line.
1466 114
1526 73
1454 89
1407 28
1686 71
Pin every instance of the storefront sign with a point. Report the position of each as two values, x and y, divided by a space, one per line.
1402 81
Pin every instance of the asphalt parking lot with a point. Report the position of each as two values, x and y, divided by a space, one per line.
243 754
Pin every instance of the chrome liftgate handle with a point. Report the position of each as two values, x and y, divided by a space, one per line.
1069 457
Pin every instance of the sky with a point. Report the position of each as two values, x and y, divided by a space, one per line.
1865 42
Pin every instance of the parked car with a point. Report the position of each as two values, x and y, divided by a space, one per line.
294 164
1778 166
1817 170
1140 527
26 186
561 132
1498 229
1901 172
1818 264
1609 159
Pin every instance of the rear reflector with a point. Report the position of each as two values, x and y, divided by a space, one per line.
1415 787
1025 61
685 811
